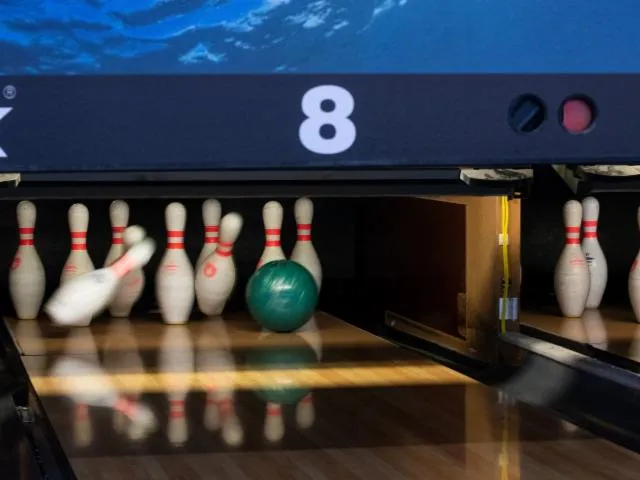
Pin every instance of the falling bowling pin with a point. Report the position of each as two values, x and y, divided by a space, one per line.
216 277
272 214
571 279
175 276
78 262
87 295
211 211
303 252
634 282
596 260
26 277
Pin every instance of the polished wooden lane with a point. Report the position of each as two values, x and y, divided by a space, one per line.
612 330
220 399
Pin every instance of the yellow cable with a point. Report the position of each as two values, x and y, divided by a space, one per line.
505 262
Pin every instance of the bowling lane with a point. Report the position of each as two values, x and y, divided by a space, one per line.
220 399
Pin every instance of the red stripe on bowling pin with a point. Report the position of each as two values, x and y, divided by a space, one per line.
304 232
26 236
572 235
175 239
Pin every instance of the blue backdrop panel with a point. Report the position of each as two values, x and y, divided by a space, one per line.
149 84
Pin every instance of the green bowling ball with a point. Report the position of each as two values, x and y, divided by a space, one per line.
281 296
279 354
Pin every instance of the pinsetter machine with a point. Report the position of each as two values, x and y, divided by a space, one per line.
416 130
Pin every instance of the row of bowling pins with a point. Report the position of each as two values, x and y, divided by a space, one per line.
177 355
214 278
581 272
176 281
27 279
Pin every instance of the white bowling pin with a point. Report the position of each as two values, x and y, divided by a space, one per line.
571 279
303 252
211 211
272 214
177 362
634 282
596 260
216 277
175 276
87 295
79 262
119 217
132 285
27 277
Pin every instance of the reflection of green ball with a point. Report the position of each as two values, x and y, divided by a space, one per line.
281 296
279 354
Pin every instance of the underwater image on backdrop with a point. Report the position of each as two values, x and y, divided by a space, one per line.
48 37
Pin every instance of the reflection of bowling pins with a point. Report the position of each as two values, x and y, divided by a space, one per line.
211 218
78 261
132 284
28 335
175 278
594 328
634 351
596 260
571 277
274 423
122 355
303 252
214 356
305 409
272 217
95 389
26 277
176 363
216 277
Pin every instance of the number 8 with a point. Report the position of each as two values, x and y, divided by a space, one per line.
338 118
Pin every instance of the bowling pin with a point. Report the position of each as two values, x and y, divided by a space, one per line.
272 214
216 277
79 262
571 279
596 260
211 211
176 362
86 295
175 277
303 252
26 277
131 286
634 282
